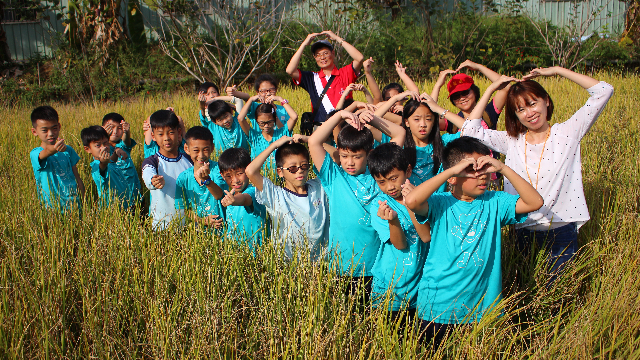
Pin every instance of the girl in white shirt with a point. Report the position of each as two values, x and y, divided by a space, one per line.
548 156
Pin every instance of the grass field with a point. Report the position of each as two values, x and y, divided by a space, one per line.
102 285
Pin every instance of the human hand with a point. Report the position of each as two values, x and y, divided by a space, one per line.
349 89
399 68
502 82
367 65
271 98
126 127
202 98
157 181
550 71
407 187
255 98
310 37
146 125
427 98
109 128
365 115
283 140
469 65
214 220
407 95
299 138
60 146
231 90
202 174
351 119
228 198
331 35
367 106
385 212
104 155
465 168
121 153
488 164
170 109
443 75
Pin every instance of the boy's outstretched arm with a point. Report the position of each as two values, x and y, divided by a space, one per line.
396 132
383 108
202 175
530 200
292 68
242 117
416 200
401 70
253 169
320 136
371 81
356 55
231 198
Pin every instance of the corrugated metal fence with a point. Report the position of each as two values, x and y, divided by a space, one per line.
31 38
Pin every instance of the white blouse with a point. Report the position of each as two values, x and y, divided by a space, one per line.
560 178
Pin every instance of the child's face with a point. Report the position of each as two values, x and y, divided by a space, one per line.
266 122
391 184
532 112
421 122
299 177
225 120
464 100
96 147
266 88
47 131
354 163
168 139
211 94
397 107
236 179
199 151
468 186
117 133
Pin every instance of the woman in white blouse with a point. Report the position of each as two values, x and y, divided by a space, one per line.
548 156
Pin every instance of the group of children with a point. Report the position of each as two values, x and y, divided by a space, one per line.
378 208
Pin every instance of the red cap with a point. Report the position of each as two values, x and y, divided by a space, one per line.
459 82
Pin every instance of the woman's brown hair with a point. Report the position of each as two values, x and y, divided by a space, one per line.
525 91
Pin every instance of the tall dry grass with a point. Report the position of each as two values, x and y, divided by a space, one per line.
104 285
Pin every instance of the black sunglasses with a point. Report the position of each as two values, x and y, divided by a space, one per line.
460 94
294 169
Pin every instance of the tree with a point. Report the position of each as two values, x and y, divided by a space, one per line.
217 39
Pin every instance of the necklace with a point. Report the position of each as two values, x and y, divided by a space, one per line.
540 162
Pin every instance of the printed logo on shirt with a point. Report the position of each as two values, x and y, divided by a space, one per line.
469 231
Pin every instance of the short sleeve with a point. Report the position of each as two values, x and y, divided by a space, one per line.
73 155
36 163
447 138
507 208
306 80
99 177
251 191
349 72
181 193
151 149
385 139
215 175
122 145
379 225
496 140
283 131
203 120
437 205
328 172
251 115
268 195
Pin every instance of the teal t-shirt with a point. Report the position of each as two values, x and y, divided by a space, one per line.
281 113
260 144
55 181
153 148
224 139
129 170
353 243
397 271
192 196
423 170
463 268
246 224
112 183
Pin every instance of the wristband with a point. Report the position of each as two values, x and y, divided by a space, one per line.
206 182
341 41
443 113
284 101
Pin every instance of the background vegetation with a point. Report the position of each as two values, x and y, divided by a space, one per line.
102 284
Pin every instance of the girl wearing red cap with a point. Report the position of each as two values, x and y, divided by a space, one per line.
548 156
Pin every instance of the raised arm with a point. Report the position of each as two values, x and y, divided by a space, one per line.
292 68
320 136
499 84
384 108
253 169
233 91
242 117
343 98
356 55
448 115
401 70
293 115
371 81
435 92
395 132
501 95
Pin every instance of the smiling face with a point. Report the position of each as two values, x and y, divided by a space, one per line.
421 122
47 131
117 133
325 58
464 100
236 179
296 179
225 120
266 88
468 188
96 147
391 184
532 112
168 140
354 163
199 151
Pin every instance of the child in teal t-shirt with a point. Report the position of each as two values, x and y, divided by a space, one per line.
151 146
120 138
223 125
198 188
265 134
462 276
108 176
54 163
245 216
404 241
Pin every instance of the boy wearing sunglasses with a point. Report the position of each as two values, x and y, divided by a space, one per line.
299 210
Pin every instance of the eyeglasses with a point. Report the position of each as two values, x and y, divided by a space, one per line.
266 91
321 55
266 123
294 169
460 94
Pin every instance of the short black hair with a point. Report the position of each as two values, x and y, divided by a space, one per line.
233 159
289 149
392 86
164 118
355 140
266 109
218 108
112 116
386 157
93 133
476 91
46 113
198 133
206 85
460 148
265 77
